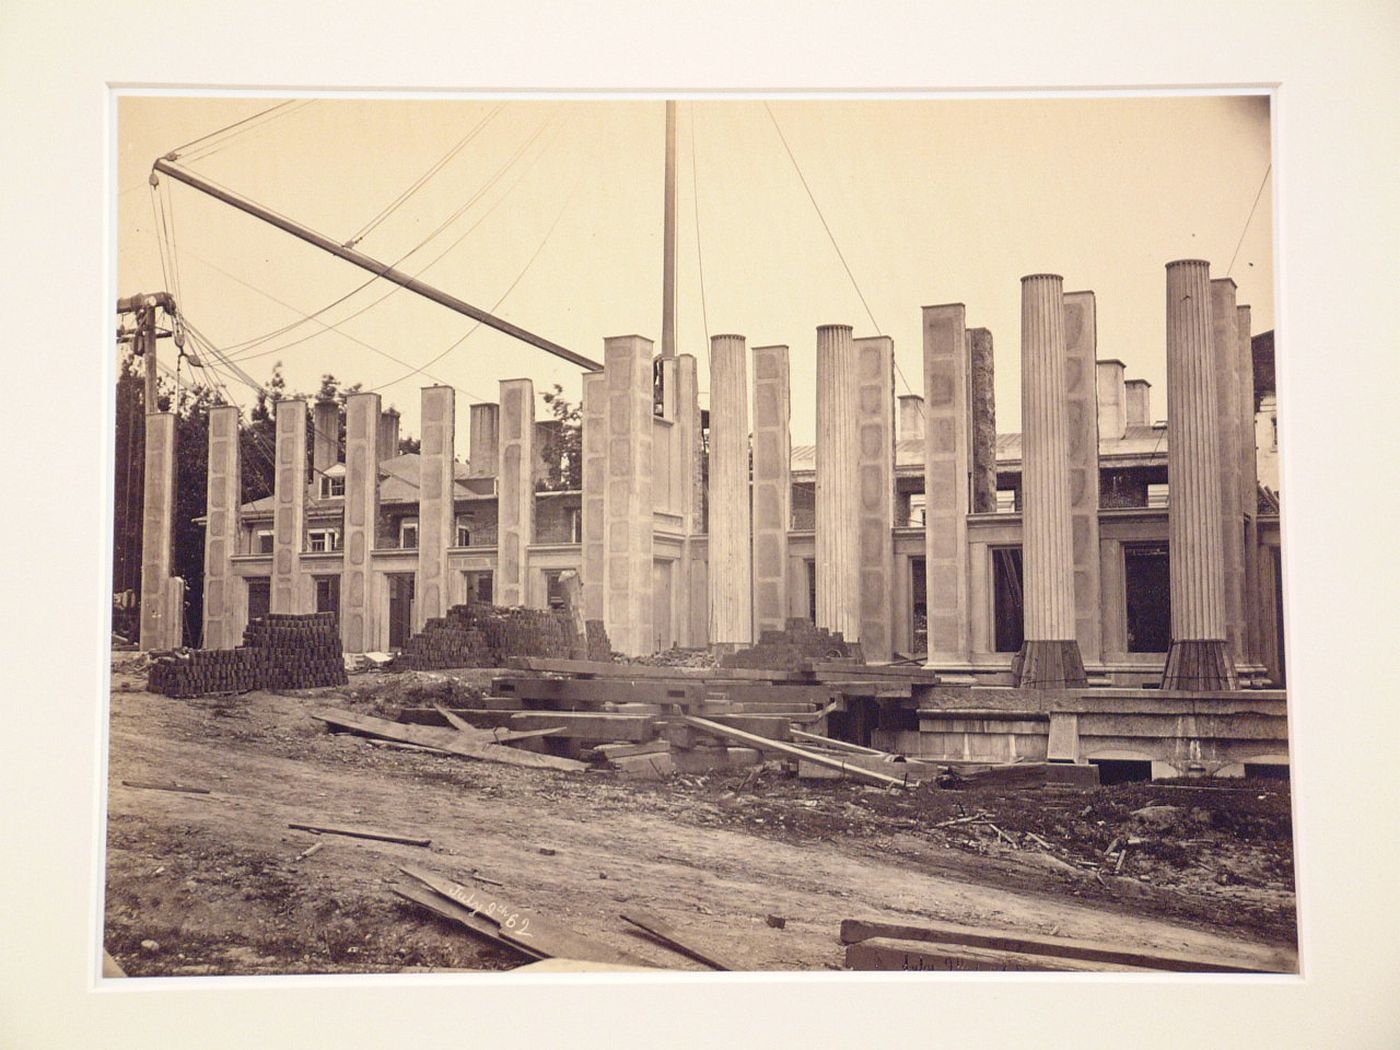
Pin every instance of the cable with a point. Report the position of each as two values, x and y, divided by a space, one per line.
1238 244
237 123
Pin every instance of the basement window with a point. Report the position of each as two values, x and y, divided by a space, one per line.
321 540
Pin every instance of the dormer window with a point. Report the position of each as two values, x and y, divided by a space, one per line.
332 486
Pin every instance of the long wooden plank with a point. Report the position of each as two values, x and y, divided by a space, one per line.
854 931
360 833
599 669
454 912
493 736
449 740
883 953
767 744
541 936
669 936
185 789
839 745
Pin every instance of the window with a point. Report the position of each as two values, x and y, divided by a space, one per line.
408 534
464 531
1148 596
554 591
918 508
1009 608
323 540
328 594
332 485
259 596
479 586
262 542
575 525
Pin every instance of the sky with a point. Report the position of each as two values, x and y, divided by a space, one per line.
549 214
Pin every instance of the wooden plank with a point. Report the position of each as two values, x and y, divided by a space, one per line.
882 953
493 736
360 833
600 727
454 912
766 744
1264 960
449 740
838 745
182 788
599 690
672 938
612 670
541 936
825 668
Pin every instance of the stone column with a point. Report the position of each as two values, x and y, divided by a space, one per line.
515 492
358 619
436 503
947 465
772 485
1224 357
911 417
982 408
160 625
1199 658
1254 609
223 627
693 624
838 483
325 436
594 411
875 495
1050 656
288 507
731 581
1138 403
1082 430
485 424
627 508
388 434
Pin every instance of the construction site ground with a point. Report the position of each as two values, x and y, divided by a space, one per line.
212 884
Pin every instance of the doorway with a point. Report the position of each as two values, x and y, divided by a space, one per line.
401 592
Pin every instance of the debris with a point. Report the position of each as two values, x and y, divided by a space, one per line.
360 833
484 879
449 740
150 945
183 788
768 744
548 851
308 851
777 922
672 938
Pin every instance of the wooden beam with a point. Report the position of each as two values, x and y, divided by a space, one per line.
449 740
883 953
766 744
670 937
454 912
360 833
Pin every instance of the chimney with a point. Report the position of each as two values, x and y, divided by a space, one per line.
911 417
485 438
388 434
1113 413
325 441
1139 412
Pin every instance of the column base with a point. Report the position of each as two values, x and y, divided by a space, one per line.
1200 665
1049 665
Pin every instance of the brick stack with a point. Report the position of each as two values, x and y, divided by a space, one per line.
200 672
599 646
478 635
791 649
299 652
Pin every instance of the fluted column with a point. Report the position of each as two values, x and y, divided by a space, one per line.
1199 658
515 492
1224 354
223 626
838 497
1249 490
436 496
731 576
1050 656
772 486
288 507
358 622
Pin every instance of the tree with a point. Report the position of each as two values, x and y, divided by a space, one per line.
564 449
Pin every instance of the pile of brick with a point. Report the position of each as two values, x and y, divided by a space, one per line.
201 672
797 645
599 646
479 635
299 652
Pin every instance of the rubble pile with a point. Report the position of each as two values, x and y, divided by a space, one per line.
797 645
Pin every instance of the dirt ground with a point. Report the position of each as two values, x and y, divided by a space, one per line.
212 884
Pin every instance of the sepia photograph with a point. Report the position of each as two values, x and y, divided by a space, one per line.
696 533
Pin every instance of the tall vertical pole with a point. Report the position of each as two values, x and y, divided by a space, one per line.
668 271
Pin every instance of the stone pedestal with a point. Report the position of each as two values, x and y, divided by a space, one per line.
731 585
627 503
837 484
983 410
515 492
358 619
772 486
223 626
1199 658
1049 657
436 501
947 463
875 495
288 507
1082 432
160 622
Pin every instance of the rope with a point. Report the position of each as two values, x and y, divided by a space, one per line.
215 147
1238 244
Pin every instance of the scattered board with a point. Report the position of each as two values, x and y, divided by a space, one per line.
672 938
361 833
793 751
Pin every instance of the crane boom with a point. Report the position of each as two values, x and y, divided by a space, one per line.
375 267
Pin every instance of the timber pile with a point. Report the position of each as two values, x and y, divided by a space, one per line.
202 672
793 648
298 651
480 635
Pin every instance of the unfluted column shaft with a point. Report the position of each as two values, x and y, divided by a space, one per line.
515 492
358 622
1224 355
1199 657
772 485
875 495
436 503
627 599
1050 655
288 507
1082 451
484 425
947 462
160 622
983 410
837 483
731 576
1249 490
594 412
223 626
